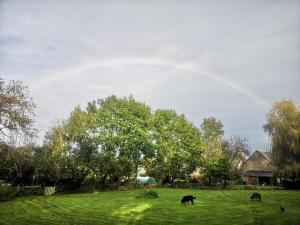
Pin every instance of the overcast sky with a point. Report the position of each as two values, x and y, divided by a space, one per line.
227 59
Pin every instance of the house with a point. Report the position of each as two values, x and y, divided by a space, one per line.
258 169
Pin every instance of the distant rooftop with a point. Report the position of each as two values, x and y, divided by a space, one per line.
267 155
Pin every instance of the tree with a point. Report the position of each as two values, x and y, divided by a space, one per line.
49 159
216 167
178 146
218 171
16 111
283 127
16 165
16 129
123 129
106 142
237 150
212 128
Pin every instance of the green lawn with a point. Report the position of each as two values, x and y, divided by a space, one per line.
212 207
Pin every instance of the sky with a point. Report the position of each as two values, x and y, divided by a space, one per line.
227 59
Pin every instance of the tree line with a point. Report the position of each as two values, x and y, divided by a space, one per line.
107 143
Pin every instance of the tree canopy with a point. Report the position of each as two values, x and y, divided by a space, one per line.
283 127
16 112
110 140
178 146
212 128
16 131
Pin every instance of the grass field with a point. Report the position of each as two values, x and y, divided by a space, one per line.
212 207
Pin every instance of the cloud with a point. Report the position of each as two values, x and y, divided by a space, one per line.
185 67
228 59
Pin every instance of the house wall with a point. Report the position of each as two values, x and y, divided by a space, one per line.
258 180
257 162
250 180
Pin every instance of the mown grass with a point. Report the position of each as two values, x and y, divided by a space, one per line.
212 207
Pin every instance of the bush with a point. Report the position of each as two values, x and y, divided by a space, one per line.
249 187
7 192
177 181
252 187
148 194
132 186
28 191
122 188
289 184
87 188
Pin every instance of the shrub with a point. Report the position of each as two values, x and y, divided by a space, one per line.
122 188
28 191
249 187
289 184
252 187
147 194
7 192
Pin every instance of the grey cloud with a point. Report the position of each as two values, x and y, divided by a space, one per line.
224 59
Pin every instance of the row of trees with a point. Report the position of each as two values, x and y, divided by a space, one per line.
109 141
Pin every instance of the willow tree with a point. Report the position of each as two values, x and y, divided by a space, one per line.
283 127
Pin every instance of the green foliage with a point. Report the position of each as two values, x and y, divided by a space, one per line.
16 164
16 132
178 146
283 126
216 152
218 172
7 191
178 181
50 159
147 194
252 187
212 128
112 138
124 132
16 112
105 143
28 191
